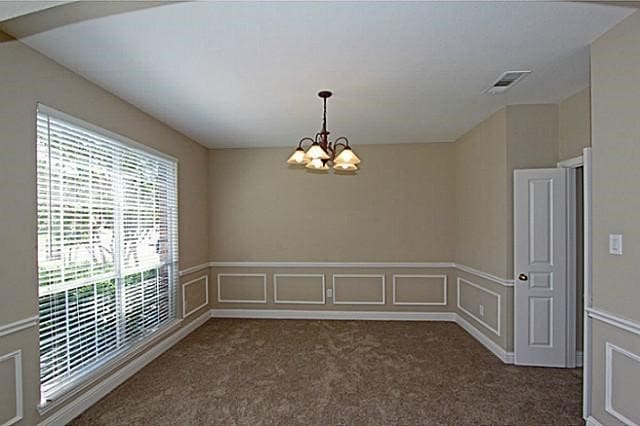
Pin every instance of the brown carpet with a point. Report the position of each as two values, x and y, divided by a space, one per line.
290 372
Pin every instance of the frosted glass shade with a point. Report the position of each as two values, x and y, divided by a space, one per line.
347 156
297 158
316 152
317 164
345 167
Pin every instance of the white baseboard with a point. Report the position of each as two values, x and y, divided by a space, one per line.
497 350
93 394
332 315
591 421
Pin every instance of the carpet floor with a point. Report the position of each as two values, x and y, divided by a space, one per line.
291 372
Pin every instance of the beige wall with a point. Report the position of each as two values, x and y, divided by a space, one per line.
27 78
399 207
574 132
481 204
532 142
615 86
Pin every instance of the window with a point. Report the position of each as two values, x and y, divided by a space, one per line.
107 246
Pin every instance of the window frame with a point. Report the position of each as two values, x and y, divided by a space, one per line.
91 374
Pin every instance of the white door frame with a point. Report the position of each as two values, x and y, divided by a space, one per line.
583 161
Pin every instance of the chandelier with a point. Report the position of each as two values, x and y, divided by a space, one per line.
323 152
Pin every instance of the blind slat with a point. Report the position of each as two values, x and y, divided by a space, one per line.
107 247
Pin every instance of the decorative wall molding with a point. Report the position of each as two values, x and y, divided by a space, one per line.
332 315
264 288
614 320
184 297
497 350
16 356
610 348
496 330
444 283
485 275
299 302
365 265
373 302
94 393
375 265
18 325
193 269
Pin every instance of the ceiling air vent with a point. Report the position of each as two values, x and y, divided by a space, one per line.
506 81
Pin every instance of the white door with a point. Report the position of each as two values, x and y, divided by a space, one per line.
540 242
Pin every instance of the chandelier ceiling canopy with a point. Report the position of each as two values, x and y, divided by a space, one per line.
322 154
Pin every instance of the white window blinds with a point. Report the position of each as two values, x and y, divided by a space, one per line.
107 246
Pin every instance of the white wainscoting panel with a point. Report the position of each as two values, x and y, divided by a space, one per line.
377 301
16 358
442 302
610 378
321 301
205 280
264 286
495 330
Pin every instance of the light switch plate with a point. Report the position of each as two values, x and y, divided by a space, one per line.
615 244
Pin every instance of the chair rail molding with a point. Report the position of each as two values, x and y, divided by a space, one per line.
614 320
193 269
16 326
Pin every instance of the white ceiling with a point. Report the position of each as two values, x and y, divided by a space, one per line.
244 74
13 9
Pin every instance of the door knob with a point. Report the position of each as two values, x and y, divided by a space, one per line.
523 277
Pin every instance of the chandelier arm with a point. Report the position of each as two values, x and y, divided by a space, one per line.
304 140
342 138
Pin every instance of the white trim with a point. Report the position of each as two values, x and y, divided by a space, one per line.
184 299
333 315
497 350
444 282
572 270
299 302
375 302
18 325
486 276
614 320
193 269
608 389
264 288
587 278
376 265
572 163
496 331
93 394
591 421
102 132
17 366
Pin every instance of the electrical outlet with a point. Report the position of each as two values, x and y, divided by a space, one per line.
481 310
329 292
